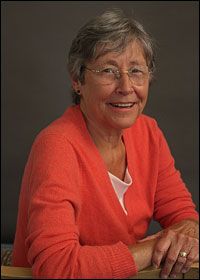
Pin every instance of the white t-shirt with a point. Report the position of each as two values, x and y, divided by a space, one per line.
120 186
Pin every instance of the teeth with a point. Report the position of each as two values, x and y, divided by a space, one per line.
122 105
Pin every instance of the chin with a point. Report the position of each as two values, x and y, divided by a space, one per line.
125 123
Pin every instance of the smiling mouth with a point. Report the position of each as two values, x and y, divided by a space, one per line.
123 105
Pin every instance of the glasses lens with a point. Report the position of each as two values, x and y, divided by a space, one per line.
138 75
108 75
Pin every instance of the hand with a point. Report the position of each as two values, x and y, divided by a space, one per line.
181 237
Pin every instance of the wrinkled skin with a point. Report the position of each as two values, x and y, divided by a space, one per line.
180 237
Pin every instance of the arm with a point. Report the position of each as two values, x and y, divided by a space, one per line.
175 211
142 253
53 235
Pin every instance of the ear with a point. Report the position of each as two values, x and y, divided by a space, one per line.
76 85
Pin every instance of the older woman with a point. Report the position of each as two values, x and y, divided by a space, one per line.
96 176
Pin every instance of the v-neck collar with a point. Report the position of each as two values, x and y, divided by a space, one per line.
103 175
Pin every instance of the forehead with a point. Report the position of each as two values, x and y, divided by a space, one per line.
132 53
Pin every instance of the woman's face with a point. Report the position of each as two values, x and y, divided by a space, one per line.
114 106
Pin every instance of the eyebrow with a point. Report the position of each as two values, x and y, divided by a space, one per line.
114 62
111 62
135 62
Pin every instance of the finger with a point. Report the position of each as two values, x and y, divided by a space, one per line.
173 263
183 264
178 243
178 266
160 250
191 258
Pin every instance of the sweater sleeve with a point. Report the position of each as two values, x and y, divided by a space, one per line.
52 238
173 201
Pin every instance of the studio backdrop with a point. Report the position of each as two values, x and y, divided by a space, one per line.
36 37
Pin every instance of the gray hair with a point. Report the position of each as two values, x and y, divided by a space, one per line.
111 31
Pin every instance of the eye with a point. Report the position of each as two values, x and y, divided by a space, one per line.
136 70
108 70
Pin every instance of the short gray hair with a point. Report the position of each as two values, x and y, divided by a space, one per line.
111 31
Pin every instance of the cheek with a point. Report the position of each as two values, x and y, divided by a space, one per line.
99 94
92 98
144 91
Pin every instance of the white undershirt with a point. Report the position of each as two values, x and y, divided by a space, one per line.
120 186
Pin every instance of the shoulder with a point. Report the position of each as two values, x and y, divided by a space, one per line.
55 145
63 129
61 138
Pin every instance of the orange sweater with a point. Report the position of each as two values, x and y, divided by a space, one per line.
70 221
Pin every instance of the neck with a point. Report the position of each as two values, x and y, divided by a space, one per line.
103 137
110 144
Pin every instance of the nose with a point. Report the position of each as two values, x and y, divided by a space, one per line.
124 85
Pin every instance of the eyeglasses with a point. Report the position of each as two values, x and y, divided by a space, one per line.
106 75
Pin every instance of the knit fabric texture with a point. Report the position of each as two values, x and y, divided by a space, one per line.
70 221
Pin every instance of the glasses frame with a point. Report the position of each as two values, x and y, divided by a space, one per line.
117 73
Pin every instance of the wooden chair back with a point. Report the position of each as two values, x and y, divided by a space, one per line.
10 272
